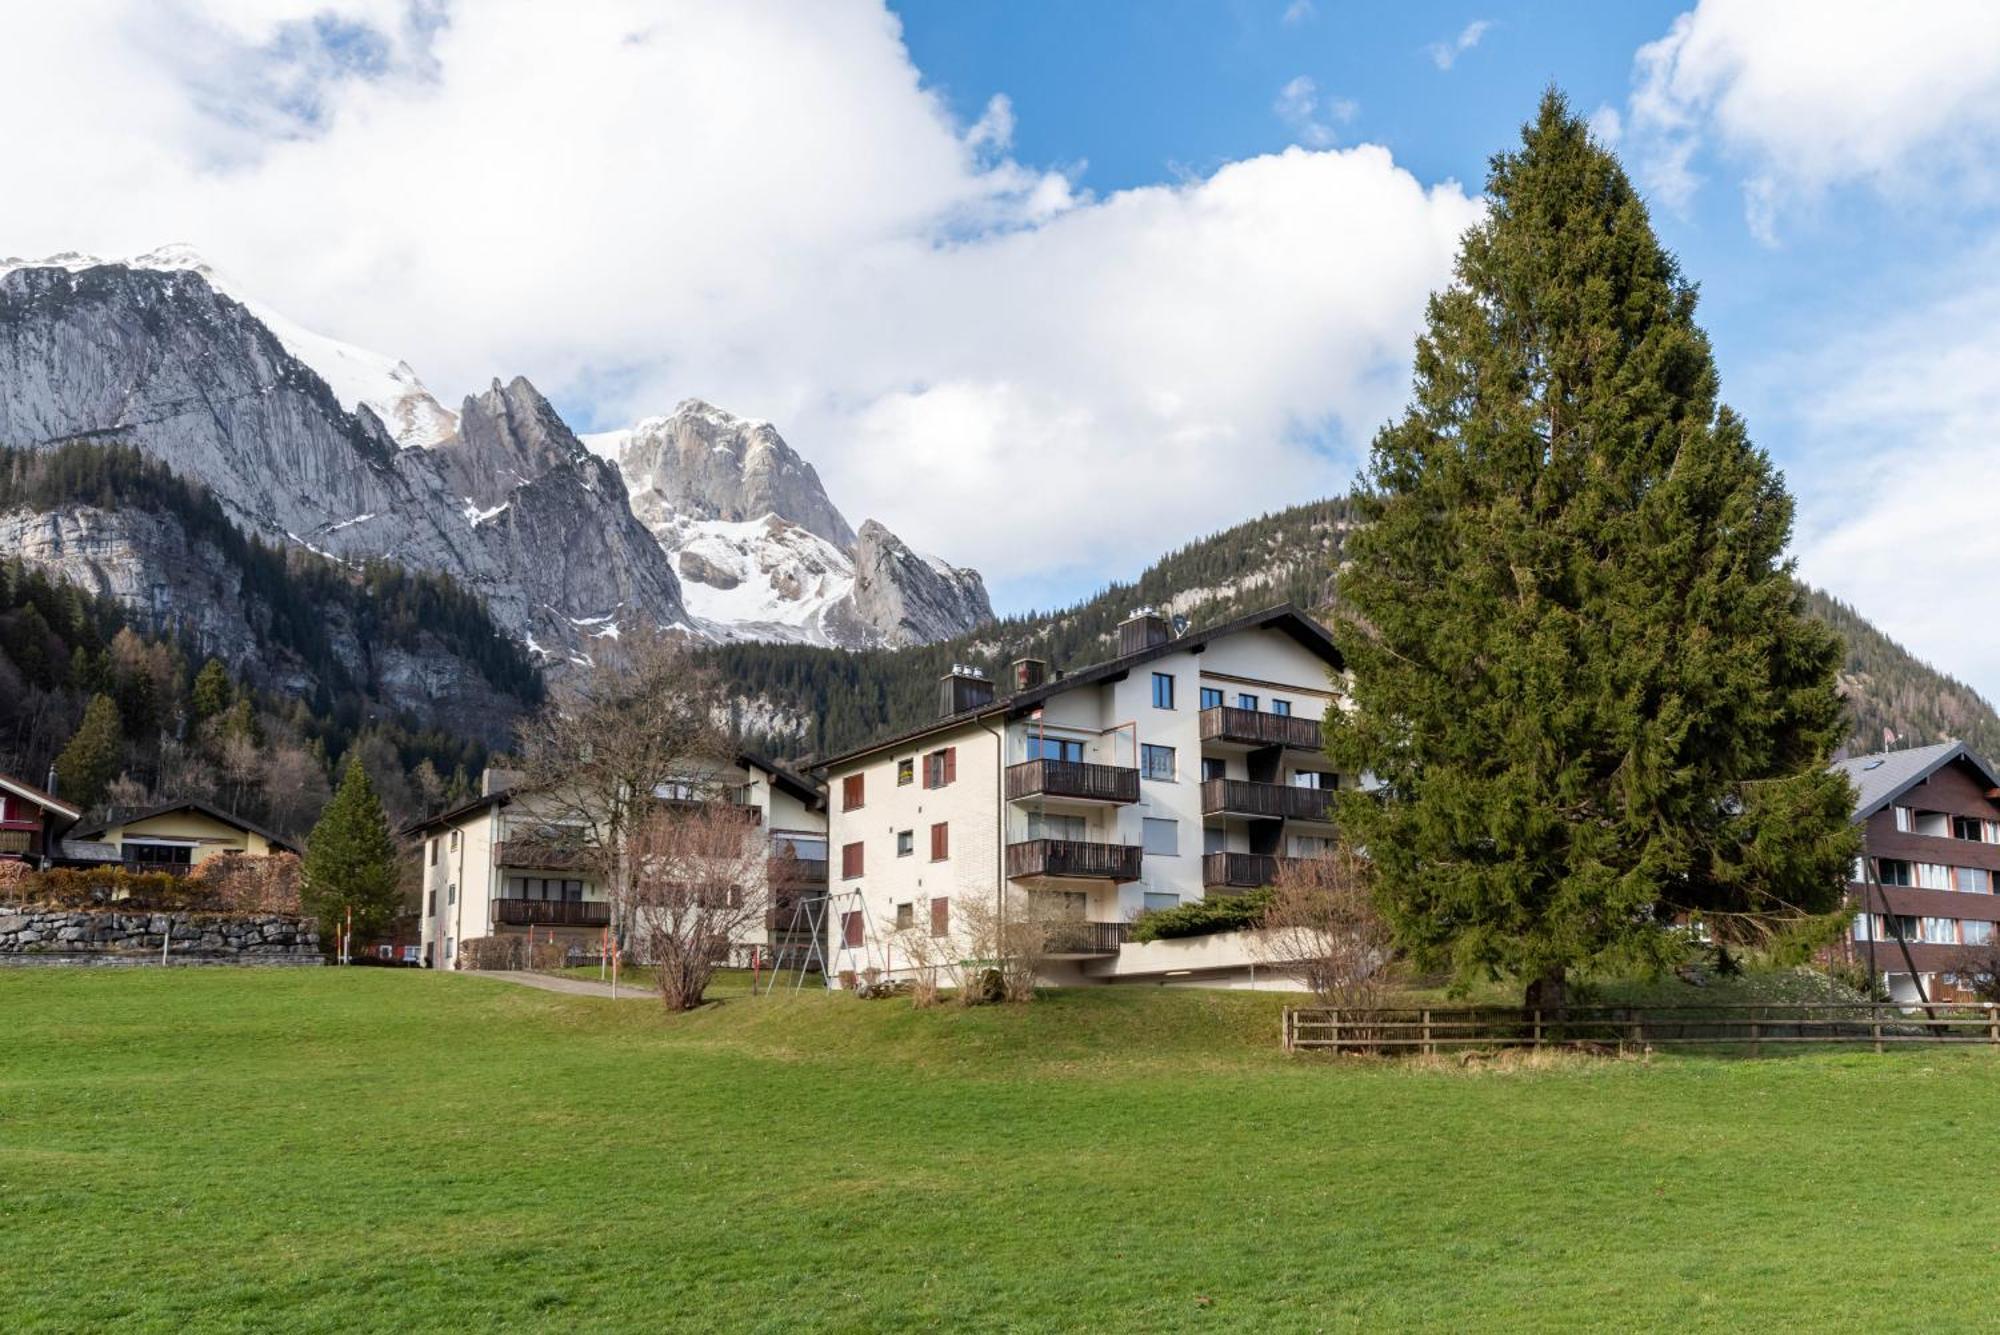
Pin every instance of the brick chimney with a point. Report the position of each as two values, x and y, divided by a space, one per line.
1142 630
1028 673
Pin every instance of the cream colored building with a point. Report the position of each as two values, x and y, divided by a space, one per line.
171 837
1187 766
494 866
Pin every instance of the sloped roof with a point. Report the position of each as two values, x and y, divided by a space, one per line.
1881 778
1283 617
47 801
90 831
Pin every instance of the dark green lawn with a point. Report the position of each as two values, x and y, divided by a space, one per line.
372 1148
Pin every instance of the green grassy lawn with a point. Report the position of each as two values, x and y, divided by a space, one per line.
330 1149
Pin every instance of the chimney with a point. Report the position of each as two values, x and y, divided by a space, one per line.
1030 673
961 689
1145 628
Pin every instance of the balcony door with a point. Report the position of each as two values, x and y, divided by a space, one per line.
1043 825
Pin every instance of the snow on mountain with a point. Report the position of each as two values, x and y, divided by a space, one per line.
762 579
387 387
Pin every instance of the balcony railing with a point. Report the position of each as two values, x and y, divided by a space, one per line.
1263 801
731 798
1240 871
1072 779
1073 857
538 855
1085 938
1256 727
798 872
551 913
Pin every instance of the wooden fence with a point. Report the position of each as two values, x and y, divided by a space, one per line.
1433 1029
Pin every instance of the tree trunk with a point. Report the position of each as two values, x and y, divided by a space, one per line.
1550 992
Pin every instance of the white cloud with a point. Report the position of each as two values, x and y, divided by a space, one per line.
1805 95
1445 54
1298 12
1310 116
760 204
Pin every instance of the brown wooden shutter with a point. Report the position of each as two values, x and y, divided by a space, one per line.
850 860
852 791
850 929
951 764
940 841
940 917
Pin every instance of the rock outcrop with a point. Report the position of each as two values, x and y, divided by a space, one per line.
913 599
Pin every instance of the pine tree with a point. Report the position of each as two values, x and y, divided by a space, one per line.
1582 671
211 690
350 860
91 760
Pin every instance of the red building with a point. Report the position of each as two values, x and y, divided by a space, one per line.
1925 885
30 821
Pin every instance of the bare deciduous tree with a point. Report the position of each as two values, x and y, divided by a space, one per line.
1322 927
700 882
1008 942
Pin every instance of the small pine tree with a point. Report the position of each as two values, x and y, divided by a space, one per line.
350 860
211 690
1582 672
91 760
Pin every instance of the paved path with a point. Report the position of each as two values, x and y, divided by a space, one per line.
576 987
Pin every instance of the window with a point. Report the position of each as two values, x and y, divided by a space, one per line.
850 930
940 917
1213 767
1894 871
906 916
448 945
1156 762
544 887
1974 880
906 843
434 852
1898 927
454 841
852 792
1054 748
1323 780
1933 876
850 861
1211 697
1906 820
941 767
906 771
165 857
451 894
1941 931
1163 690
1311 846
1156 903
940 841
1214 839
1245 700
1058 905
1162 837
1041 825
1976 932
1861 926
1282 708
1968 827
433 903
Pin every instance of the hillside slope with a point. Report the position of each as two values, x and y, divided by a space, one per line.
803 701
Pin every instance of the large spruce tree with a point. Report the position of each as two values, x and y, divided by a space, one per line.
1582 671
91 759
350 860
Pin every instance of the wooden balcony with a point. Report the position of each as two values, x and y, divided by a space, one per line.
1072 780
528 854
1085 938
551 913
1264 801
1256 727
1240 871
1073 858
732 799
789 873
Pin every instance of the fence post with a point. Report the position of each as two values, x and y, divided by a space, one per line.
1756 1033
1637 1028
1993 1024
1875 1017
1429 1049
1538 1028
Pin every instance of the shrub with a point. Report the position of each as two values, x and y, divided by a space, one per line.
247 883
1203 917
486 953
14 877
103 887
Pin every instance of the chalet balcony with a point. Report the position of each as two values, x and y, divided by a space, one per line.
1076 858
1072 781
1086 938
1256 727
1240 871
788 873
731 799
531 854
1264 801
551 913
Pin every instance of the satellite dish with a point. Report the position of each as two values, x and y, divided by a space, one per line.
1180 625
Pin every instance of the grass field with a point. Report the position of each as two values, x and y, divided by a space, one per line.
331 1149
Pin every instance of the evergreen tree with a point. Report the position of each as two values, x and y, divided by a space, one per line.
211 690
91 760
1582 671
350 860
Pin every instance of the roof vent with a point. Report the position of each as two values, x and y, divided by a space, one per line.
1028 673
961 689
1146 627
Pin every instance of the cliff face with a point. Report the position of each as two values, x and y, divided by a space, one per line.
913 599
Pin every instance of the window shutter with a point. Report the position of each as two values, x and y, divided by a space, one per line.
951 764
940 917
940 841
931 770
852 790
850 929
850 860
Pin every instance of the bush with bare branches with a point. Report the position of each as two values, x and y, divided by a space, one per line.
1321 926
250 883
699 883
1008 941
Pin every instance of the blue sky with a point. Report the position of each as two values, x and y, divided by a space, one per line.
1051 288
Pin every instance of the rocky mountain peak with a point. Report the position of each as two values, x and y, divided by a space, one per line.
911 598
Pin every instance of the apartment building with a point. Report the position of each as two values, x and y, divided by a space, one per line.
1189 765
499 866
1924 886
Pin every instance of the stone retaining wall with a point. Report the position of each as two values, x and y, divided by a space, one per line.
110 936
